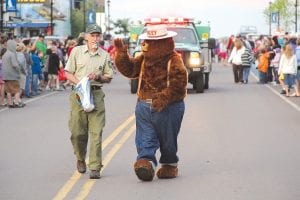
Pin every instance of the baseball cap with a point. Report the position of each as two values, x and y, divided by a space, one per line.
94 28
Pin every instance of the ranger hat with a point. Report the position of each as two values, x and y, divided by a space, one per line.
157 32
94 28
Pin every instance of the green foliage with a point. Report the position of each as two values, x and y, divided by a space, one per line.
286 9
122 26
77 16
77 22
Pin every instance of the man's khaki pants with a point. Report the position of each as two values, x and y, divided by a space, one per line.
83 125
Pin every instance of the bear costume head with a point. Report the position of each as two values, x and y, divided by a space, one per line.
157 42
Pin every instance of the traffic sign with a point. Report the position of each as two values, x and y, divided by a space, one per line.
91 17
274 17
11 5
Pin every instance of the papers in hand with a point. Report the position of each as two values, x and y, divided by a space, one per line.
83 90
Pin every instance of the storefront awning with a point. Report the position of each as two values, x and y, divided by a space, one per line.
27 25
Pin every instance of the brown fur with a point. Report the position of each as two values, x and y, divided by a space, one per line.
144 170
167 171
154 75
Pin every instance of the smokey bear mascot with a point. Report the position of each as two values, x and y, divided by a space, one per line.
160 107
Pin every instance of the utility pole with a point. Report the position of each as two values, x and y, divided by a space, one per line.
296 16
84 16
51 17
1 16
270 18
108 16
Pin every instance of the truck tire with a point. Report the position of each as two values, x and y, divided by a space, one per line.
206 80
133 85
199 84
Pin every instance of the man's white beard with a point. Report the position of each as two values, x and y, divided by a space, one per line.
95 46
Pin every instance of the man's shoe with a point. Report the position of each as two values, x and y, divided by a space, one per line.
95 174
81 166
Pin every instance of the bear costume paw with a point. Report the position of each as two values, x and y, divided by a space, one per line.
144 170
167 171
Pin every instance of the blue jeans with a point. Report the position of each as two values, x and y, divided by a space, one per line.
246 71
289 79
28 84
35 84
262 77
158 130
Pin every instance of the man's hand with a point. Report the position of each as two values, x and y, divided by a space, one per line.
93 76
99 78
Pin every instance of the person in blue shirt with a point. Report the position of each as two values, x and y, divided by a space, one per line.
297 81
36 68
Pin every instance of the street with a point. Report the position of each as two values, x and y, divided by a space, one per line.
237 142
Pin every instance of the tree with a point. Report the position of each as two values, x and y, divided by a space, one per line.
77 22
285 8
122 26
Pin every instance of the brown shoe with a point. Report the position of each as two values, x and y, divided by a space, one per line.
95 174
167 171
144 170
81 166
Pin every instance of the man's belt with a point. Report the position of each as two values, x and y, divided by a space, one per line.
96 87
93 87
148 101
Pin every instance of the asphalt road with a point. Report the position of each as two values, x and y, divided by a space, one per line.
237 142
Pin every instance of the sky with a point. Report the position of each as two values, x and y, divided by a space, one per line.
225 16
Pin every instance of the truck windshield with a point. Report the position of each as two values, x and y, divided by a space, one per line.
184 35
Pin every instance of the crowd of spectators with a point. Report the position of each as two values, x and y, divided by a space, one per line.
29 67
276 59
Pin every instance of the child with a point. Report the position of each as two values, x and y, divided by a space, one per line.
36 70
288 66
275 63
263 64
53 68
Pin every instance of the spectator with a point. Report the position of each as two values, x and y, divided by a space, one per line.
28 81
297 81
11 76
2 94
236 60
288 66
263 65
223 52
247 60
22 61
53 68
36 70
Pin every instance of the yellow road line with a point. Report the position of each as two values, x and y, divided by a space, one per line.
116 132
86 188
63 192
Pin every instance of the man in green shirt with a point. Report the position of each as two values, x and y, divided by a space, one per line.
91 61
40 45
